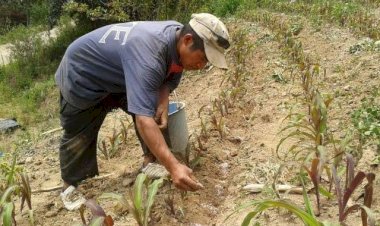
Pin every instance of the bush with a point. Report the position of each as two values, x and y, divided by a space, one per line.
20 12
39 13
225 7
28 81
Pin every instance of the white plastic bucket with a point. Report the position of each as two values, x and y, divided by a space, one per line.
176 135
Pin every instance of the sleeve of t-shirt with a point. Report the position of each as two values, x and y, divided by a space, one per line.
174 81
143 78
142 88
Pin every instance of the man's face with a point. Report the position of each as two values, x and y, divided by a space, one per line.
191 59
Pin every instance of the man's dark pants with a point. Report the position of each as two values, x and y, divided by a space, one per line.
77 152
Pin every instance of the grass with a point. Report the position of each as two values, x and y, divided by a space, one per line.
25 106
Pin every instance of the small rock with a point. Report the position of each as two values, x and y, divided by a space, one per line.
347 87
51 213
224 165
234 153
235 140
127 182
8 125
224 168
28 159
219 190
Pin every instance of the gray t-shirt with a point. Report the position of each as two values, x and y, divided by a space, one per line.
135 58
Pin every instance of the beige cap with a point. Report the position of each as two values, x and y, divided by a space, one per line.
215 37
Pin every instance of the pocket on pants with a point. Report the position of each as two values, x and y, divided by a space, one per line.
62 103
67 109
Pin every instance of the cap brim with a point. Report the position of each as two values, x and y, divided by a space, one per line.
215 56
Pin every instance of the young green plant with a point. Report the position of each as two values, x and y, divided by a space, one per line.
142 198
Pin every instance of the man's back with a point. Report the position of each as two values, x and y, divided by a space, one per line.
99 62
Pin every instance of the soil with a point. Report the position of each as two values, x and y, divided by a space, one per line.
247 152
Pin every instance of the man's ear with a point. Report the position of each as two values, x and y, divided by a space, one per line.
188 39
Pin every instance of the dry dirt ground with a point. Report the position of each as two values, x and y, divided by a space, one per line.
245 155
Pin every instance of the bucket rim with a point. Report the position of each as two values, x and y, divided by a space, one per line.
181 105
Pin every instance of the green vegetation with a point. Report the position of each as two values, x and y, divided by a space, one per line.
22 13
113 147
366 120
14 183
142 198
27 82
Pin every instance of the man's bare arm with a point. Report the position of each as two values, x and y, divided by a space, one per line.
153 138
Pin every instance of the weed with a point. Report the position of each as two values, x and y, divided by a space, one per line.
366 120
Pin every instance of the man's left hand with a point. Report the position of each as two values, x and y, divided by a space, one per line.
161 116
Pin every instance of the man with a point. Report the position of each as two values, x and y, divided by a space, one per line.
133 66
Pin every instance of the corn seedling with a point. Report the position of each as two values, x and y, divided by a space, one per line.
204 132
124 130
241 48
103 148
217 106
195 161
142 198
237 92
7 216
219 125
114 145
99 217
310 130
314 173
16 184
169 200
352 182
307 215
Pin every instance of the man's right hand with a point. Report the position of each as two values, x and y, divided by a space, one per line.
182 177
